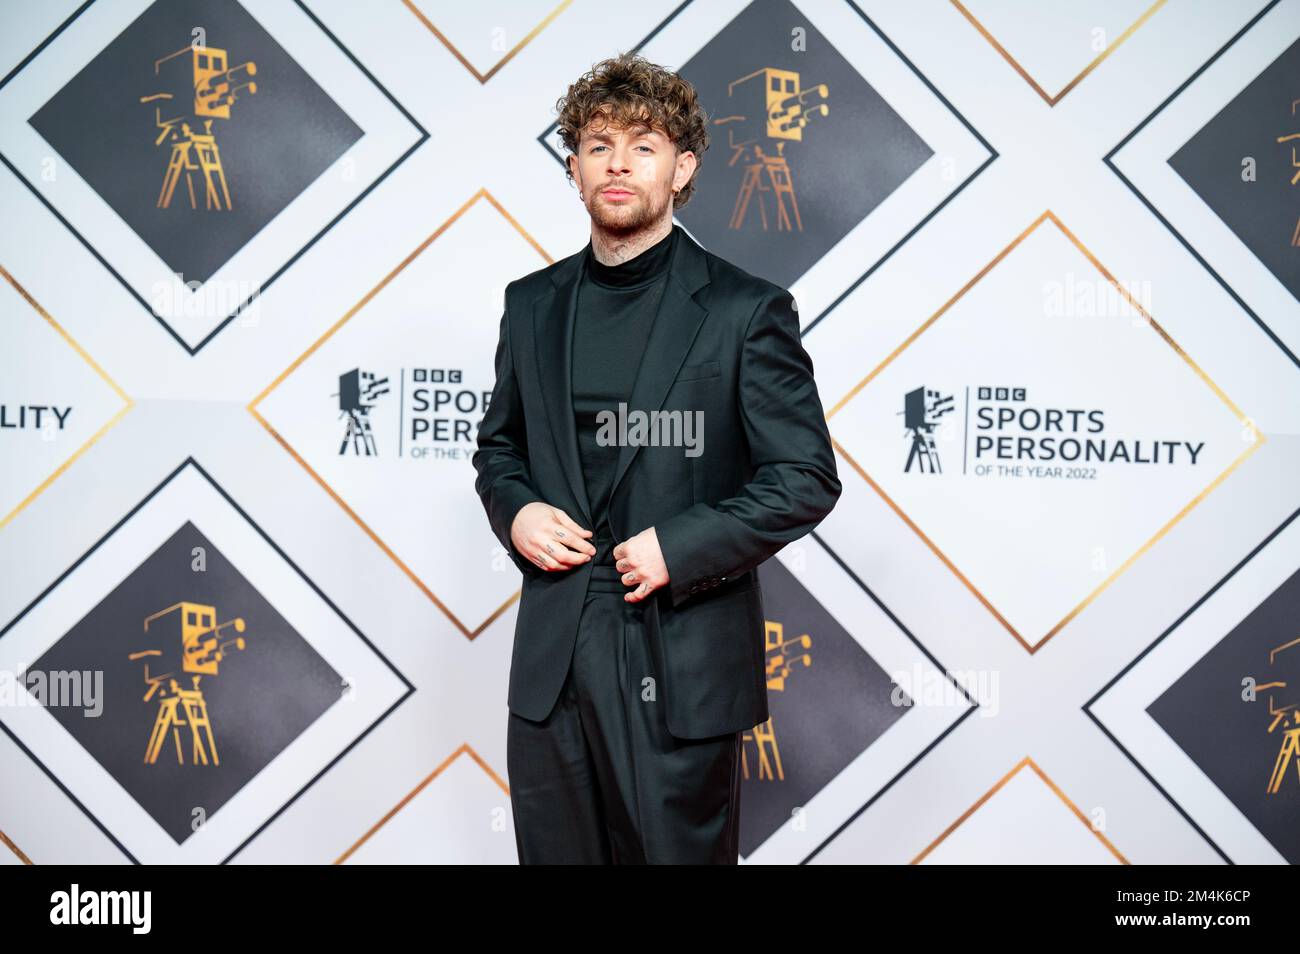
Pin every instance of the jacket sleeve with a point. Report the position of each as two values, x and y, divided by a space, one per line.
501 460
794 484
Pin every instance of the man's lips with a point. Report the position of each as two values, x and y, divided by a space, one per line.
617 193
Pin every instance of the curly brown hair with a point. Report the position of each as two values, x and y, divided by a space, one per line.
628 89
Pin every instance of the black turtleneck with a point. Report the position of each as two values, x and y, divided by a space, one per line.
616 307
646 266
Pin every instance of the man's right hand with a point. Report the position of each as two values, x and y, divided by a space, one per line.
547 536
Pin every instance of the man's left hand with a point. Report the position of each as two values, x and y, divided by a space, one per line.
642 565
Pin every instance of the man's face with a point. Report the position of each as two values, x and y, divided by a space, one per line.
626 176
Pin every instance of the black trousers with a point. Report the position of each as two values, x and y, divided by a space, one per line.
601 780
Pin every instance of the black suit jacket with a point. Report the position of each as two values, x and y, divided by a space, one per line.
724 342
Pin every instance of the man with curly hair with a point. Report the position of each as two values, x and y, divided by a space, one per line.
640 652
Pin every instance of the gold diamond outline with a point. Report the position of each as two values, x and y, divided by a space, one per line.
94 366
484 77
482 193
1024 74
1027 760
465 749
1249 424
8 843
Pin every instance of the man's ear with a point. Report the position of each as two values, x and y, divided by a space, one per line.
688 164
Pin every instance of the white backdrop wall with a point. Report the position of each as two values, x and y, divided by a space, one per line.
236 441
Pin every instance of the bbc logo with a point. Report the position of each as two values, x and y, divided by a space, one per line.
436 375
1001 394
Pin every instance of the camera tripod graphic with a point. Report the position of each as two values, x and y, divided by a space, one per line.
180 708
1295 164
758 141
198 88
922 409
357 393
782 657
1288 752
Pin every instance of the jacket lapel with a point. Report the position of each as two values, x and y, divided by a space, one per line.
671 336
672 332
554 316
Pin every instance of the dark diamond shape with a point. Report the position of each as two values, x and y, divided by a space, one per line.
271 147
257 699
1264 212
828 701
1227 736
842 166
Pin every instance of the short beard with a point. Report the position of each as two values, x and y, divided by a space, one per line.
622 223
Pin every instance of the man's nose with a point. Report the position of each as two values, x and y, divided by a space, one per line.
620 159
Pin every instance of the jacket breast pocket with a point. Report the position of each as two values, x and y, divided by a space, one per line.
694 372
